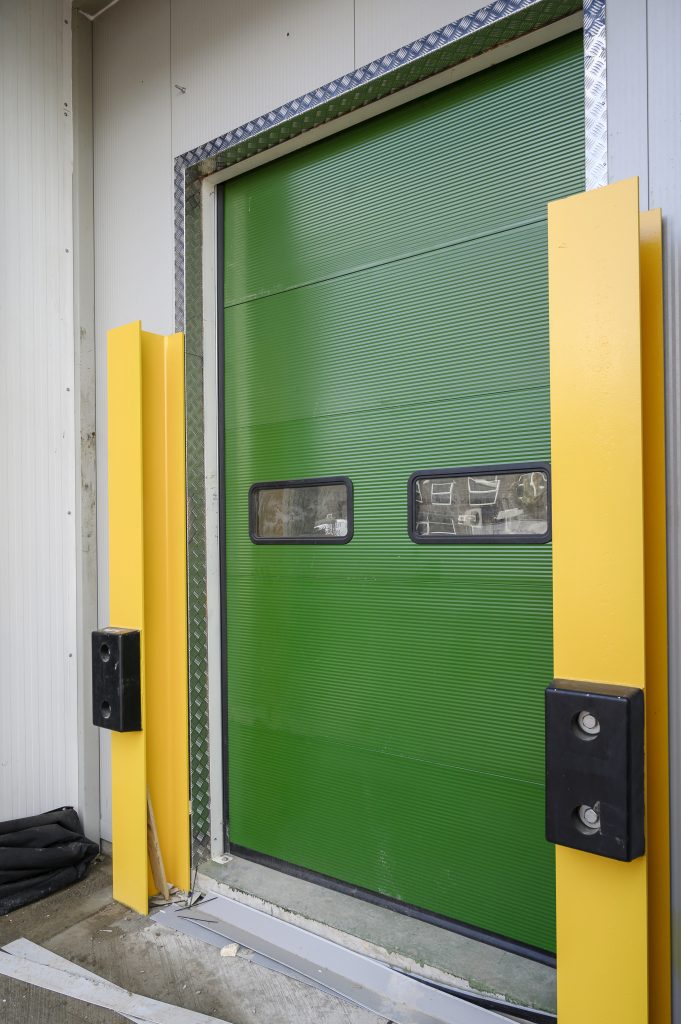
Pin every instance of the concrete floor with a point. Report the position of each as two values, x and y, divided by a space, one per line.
84 925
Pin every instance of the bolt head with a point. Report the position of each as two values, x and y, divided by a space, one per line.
589 816
588 723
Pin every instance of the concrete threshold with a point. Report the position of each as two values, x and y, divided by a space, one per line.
397 939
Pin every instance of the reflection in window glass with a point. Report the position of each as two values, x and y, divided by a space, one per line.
310 511
486 503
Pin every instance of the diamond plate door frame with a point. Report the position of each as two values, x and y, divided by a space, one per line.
501 22
595 106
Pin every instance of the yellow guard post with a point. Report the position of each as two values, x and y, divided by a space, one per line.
607 426
148 591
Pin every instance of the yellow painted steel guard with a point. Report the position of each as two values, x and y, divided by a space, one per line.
607 426
148 591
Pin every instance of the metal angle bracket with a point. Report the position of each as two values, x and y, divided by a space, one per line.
360 979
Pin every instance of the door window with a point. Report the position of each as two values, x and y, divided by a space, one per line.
302 512
487 504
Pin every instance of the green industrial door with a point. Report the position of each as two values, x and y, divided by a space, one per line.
385 295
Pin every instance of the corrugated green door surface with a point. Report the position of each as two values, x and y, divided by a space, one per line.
386 312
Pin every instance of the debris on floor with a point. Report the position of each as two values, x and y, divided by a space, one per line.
84 925
25 961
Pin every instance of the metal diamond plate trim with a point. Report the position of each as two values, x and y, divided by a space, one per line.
499 22
595 106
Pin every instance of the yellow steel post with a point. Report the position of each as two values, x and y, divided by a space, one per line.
657 707
165 573
147 540
126 606
604 569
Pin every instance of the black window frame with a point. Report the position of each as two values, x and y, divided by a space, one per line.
318 481
463 471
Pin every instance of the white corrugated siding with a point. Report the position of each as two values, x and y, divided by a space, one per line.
38 652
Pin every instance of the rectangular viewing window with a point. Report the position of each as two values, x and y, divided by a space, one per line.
487 504
301 511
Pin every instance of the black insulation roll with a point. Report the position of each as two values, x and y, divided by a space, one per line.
40 855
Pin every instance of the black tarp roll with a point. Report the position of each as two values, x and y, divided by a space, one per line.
40 855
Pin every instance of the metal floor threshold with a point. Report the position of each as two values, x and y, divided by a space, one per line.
318 961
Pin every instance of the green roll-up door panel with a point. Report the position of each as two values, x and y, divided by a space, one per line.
385 300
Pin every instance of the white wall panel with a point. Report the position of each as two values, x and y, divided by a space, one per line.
132 169
241 58
627 83
384 25
38 622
